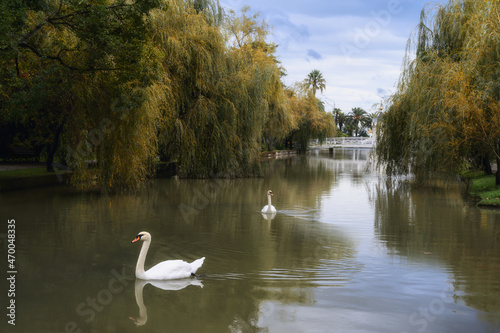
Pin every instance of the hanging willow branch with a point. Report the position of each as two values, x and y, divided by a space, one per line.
445 113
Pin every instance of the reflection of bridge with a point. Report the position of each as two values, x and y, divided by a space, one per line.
344 142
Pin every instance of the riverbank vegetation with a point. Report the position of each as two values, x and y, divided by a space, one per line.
22 173
444 117
484 189
118 85
358 122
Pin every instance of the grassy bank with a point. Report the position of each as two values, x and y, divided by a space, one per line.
23 173
16 179
484 189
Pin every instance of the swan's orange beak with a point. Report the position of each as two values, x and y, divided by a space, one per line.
138 238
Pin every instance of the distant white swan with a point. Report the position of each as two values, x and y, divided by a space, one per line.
166 270
269 209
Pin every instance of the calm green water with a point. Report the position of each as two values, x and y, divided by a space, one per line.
346 252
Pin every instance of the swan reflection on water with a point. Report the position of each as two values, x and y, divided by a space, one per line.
164 285
268 217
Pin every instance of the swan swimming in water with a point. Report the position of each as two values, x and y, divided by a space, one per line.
166 270
268 209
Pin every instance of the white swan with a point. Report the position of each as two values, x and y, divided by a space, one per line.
166 270
268 209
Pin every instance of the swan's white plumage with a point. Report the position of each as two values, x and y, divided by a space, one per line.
166 270
268 209
171 270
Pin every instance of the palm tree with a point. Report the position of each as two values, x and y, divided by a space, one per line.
359 116
339 118
316 81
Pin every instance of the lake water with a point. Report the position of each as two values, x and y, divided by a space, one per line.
348 251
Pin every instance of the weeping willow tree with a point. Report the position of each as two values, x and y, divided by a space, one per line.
445 114
114 143
73 73
216 89
312 120
108 86
111 141
246 37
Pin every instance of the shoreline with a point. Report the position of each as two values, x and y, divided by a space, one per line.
19 176
481 187
484 190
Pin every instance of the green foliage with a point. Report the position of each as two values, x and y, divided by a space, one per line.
359 119
315 81
104 87
79 35
312 121
21 173
485 188
219 90
445 113
64 67
119 134
355 123
340 119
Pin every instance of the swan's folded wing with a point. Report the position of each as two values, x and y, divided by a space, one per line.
169 270
268 209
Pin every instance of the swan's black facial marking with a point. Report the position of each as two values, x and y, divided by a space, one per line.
137 238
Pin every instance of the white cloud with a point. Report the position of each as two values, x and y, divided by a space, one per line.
357 45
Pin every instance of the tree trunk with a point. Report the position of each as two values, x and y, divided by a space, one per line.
497 178
51 151
52 148
486 165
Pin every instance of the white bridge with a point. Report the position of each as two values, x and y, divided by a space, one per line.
343 142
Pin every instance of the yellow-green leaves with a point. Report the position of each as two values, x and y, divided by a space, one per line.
445 113
108 87
220 95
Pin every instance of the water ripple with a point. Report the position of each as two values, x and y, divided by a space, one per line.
328 273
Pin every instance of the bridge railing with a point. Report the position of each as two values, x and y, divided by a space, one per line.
345 141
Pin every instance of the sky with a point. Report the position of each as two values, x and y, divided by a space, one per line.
358 45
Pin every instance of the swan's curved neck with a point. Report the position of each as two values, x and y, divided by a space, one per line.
139 268
269 200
